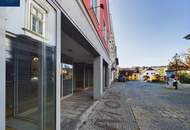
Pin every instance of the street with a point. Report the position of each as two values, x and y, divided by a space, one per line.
138 105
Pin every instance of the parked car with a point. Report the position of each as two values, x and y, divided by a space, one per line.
121 78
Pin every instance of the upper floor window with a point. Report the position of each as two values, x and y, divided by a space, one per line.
94 4
37 20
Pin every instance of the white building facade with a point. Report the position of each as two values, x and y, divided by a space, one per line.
49 49
149 72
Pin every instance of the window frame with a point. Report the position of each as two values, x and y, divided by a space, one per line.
39 11
94 4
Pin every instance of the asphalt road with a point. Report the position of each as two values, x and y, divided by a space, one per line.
138 105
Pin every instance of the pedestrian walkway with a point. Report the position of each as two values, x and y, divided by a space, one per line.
75 108
111 113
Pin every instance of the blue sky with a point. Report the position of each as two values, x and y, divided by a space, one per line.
150 32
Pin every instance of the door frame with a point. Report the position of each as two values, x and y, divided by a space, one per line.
64 97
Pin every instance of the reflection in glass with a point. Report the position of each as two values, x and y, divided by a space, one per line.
49 90
30 85
23 85
67 79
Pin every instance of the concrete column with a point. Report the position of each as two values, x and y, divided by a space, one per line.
98 77
2 69
109 76
74 77
58 72
103 78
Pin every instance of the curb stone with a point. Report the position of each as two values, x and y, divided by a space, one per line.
85 115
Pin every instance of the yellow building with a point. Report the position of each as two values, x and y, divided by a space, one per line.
130 73
135 76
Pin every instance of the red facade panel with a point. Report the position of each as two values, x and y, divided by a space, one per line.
101 19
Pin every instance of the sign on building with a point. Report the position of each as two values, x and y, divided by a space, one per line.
5 3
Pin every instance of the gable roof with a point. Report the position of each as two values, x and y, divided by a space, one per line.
150 68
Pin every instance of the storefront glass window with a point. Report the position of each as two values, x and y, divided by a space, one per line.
30 85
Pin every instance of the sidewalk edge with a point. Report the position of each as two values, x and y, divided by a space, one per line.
85 115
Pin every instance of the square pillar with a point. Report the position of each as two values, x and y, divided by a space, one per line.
109 76
58 72
98 77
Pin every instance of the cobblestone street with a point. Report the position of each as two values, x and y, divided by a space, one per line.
138 105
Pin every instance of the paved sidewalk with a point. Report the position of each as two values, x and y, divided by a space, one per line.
111 113
74 109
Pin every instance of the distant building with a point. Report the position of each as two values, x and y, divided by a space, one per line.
148 74
135 75
130 73
154 73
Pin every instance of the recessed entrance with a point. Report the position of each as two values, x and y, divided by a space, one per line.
78 53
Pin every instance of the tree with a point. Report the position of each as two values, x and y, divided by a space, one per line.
187 58
177 64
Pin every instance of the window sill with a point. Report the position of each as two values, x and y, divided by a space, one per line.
34 35
30 31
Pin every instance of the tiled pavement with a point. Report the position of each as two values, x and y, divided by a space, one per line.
141 106
72 109
111 113
158 108
133 106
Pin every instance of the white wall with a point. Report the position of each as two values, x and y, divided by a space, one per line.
58 71
51 27
15 18
149 73
98 77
